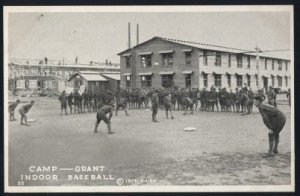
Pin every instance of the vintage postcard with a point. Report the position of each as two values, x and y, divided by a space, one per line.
149 99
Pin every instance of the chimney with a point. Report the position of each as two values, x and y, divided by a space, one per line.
137 34
129 41
106 61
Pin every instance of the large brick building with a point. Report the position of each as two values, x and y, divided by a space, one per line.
167 62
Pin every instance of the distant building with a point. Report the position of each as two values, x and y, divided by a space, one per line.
163 62
39 73
94 82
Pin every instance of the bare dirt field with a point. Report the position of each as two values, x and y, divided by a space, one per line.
226 148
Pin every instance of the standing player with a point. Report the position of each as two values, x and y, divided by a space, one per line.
274 120
63 102
11 109
168 105
101 115
70 101
154 103
121 103
24 110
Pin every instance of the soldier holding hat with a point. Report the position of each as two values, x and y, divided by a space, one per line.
24 110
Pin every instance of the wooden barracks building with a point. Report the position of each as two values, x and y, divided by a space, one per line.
163 62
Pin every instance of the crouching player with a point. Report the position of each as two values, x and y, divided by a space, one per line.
122 103
24 110
187 103
101 115
274 120
11 109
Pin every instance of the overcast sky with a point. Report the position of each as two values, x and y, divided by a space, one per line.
100 36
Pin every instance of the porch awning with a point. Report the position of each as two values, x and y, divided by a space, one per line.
126 54
145 53
166 73
112 76
165 51
127 74
145 74
187 50
187 72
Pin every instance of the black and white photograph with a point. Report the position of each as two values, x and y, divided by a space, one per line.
149 98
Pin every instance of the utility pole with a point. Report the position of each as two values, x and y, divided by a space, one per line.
258 65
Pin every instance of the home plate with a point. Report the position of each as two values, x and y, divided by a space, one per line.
31 120
190 129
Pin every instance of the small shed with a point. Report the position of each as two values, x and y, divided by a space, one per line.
89 81
113 80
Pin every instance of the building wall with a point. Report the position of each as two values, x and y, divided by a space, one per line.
178 64
211 68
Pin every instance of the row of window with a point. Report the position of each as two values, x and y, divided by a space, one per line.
166 60
239 80
167 81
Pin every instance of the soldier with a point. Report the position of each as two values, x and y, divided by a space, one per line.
11 109
213 100
232 97
288 95
70 101
121 103
154 103
238 99
168 105
24 110
95 101
187 103
271 96
76 101
63 102
245 102
101 115
250 95
274 120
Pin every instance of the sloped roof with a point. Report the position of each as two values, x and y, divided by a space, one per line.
204 46
113 76
89 77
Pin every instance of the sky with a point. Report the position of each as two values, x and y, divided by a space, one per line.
102 35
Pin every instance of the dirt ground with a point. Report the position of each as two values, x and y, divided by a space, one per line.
226 148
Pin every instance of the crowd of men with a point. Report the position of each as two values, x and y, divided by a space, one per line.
214 99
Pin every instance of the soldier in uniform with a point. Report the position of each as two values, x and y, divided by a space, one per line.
288 95
11 109
121 103
24 110
250 95
76 101
168 105
70 101
213 100
187 103
95 101
271 96
63 102
274 120
101 115
203 99
232 97
154 103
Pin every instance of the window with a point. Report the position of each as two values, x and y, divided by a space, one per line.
286 81
273 80
218 59
167 81
188 80
146 81
127 61
229 80
167 59
248 80
286 65
204 57
239 80
188 58
146 60
218 82
279 81
128 81
266 63
205 79
256 79
229 60
239 60
248 61
279 65
272 64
